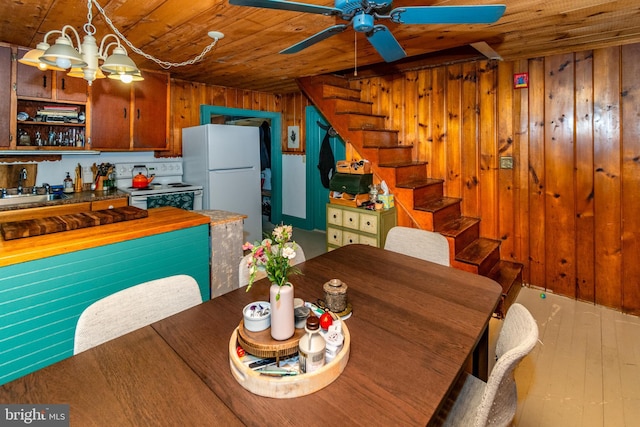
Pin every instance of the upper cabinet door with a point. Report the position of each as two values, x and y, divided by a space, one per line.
110 115
33 82
150 111
71 89
5 95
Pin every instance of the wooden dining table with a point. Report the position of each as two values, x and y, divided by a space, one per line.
414 329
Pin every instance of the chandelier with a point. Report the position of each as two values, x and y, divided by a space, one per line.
87 60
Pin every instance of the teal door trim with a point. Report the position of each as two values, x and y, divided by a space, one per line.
276 151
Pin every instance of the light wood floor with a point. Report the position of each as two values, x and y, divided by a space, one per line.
585 371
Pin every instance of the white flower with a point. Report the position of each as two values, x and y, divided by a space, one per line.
288 252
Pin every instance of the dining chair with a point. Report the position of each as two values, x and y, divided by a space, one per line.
243 268
134 308
494 403
423 244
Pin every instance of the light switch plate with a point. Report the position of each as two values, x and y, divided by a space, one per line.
506 162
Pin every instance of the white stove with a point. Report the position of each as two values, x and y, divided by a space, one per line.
166 188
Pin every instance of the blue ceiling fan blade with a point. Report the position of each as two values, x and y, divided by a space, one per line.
288 5
486 14
318 37
385 43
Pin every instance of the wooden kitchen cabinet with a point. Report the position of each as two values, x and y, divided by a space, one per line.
5 95
111 115
348 225
130 116
151 107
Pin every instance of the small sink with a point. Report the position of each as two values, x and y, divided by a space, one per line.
19 199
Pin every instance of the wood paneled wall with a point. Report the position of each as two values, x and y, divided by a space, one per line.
186 98
569 209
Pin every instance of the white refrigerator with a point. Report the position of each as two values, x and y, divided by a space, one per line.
225 160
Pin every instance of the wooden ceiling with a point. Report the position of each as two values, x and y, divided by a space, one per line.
248 58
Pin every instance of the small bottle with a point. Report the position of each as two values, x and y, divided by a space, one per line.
68 184
311 347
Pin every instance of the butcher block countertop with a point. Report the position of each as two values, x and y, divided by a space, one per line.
160 220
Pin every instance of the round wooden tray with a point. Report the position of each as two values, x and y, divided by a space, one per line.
262 345
287 386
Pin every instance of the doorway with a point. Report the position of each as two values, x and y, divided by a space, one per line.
317 194
212 114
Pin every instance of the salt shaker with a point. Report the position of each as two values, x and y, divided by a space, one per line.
335 295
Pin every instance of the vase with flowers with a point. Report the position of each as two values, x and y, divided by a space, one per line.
273 255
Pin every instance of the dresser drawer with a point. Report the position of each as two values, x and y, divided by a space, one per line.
351 219
334 236
350 238
368 223
367 240
334 216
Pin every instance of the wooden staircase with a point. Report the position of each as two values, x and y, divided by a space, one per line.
420 200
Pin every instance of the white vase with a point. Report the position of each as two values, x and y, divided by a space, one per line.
282 317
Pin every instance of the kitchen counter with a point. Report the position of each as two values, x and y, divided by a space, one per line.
71 198
160 220
47 281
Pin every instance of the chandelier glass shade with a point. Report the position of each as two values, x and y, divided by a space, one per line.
88 61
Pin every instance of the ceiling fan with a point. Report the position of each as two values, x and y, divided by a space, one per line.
362 14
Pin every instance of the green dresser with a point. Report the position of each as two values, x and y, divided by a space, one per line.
41 300
347 225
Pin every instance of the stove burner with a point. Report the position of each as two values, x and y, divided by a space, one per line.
179 184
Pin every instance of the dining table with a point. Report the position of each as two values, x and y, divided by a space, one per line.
415 327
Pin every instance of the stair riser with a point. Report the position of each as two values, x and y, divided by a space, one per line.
331 80
379 138
346 106
465 238
382 156
406 174
445 215
340 92
360 121
485 267
428 193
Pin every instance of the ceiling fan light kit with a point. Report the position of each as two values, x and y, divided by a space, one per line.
363 14
83 60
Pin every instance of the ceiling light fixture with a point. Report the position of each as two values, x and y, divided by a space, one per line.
84 58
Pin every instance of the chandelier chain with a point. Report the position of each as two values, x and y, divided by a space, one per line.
163 64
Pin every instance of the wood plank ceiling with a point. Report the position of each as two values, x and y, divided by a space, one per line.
248 58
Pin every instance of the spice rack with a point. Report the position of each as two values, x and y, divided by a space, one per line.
63 130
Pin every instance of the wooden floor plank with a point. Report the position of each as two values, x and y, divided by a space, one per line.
585 371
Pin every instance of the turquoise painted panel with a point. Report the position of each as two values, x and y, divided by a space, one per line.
40 301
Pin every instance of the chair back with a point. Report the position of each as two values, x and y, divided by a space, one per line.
243 267
134 308
423 244
518 336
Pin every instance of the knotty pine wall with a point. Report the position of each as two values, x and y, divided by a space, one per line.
569 210
186 98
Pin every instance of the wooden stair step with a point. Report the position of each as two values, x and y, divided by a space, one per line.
344 105
438 204
330 79
482 253
330 91
458 226
509 277
418 182
364 121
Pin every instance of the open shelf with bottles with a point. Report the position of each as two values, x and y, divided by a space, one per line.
43 124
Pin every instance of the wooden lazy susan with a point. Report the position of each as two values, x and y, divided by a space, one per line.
262 345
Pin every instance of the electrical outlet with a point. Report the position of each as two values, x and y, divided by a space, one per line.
506 162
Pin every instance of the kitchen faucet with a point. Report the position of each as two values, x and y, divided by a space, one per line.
22 177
